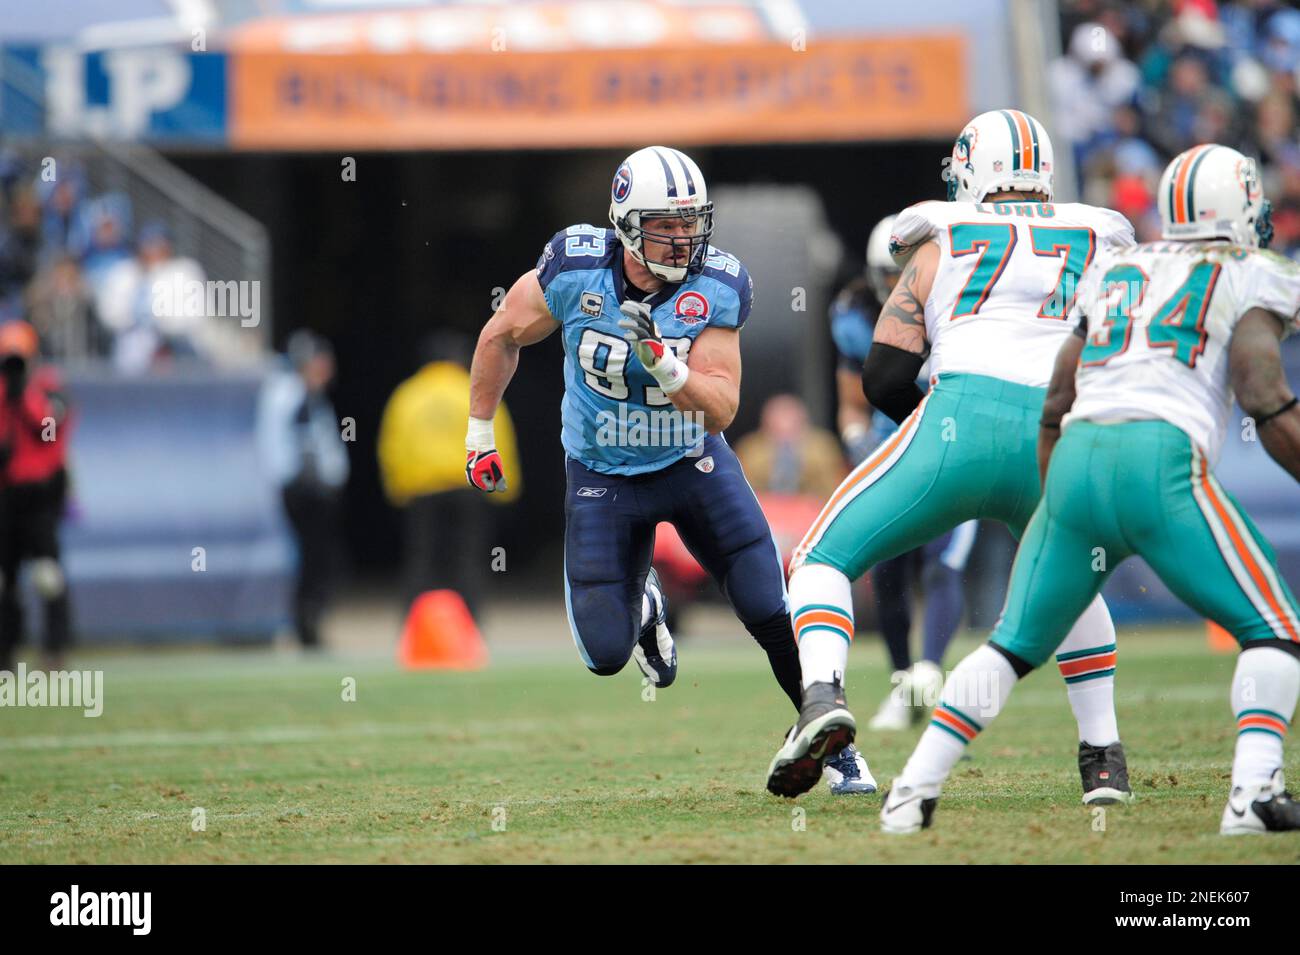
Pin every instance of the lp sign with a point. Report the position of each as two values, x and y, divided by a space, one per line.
150 94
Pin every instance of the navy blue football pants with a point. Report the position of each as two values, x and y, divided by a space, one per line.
610 524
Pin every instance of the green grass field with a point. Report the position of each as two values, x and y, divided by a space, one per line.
573 768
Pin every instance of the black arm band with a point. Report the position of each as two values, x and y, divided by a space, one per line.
889 380
1271 415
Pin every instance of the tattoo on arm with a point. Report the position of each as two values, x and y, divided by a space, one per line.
902 320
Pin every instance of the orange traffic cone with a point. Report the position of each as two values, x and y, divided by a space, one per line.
440 634
1220 640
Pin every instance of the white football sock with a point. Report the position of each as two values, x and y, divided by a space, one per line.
1087 660
1264 691
972 697
821 603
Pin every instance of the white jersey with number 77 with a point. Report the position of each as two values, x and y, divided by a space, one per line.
1007 277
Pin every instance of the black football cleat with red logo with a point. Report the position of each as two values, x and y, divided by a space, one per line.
1104 772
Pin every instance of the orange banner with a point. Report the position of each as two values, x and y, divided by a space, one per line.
841 89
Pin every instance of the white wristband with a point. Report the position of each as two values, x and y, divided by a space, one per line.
479 437
671 373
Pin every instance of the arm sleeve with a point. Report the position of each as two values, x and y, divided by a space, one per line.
889 380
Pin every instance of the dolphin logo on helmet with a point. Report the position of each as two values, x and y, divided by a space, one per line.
660 182
1003 150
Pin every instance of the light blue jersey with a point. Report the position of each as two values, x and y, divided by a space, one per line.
615 419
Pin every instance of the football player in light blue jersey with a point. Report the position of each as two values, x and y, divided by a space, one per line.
650 313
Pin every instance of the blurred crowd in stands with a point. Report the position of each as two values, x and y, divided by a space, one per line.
79 268
1140 82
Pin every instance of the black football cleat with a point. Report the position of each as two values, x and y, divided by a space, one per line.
825 727
1104 772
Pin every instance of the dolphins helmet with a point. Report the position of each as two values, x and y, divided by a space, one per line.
1213 192
1001 150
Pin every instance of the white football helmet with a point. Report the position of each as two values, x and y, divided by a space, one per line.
880 264
1001 150
660 182
1213 192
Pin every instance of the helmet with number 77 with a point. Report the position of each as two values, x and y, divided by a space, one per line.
1003 150
658 183
1213 192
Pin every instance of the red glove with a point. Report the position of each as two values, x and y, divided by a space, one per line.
484 470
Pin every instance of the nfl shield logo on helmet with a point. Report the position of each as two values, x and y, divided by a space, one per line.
691 307
705 465
622 182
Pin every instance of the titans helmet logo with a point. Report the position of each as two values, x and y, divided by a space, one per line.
622 183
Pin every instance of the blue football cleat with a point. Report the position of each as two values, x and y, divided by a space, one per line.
655 653
847 773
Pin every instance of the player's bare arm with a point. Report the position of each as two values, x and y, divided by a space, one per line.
1255 368
523 319
713 388
899 346
1059 401
902 321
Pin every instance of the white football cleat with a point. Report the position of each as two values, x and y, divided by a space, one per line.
1252 810
908 809
895 711
847 774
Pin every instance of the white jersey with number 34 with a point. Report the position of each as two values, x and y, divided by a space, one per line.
1007 275
1159 319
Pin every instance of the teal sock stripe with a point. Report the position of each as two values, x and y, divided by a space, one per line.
1276 716
1083 677
831 607
1261 729
825 626
950 731
1075 654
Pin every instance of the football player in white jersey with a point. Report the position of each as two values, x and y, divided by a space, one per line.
987 284
1166 334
